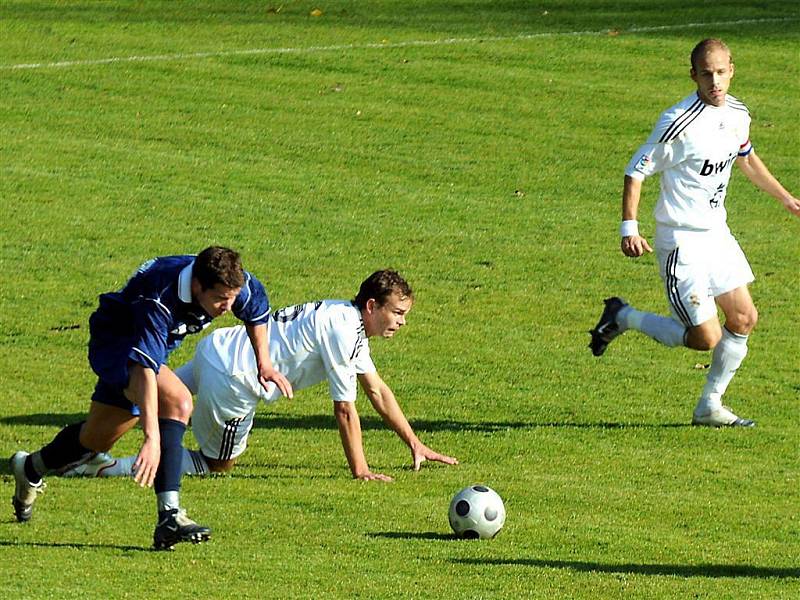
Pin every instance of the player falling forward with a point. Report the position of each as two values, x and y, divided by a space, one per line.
694 146
309 343
132 333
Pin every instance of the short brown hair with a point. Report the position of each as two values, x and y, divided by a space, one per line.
706 46
380 285
217 264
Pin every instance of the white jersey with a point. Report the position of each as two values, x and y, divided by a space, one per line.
308 343
693 147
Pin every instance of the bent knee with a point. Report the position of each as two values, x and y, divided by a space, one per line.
176 406
220 466
704 337
742 322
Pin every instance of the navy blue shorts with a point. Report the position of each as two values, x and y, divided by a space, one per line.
105 393
109 357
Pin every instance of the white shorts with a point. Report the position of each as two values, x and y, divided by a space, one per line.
223 411
696 273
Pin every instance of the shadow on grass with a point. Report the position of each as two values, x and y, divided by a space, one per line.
45 419
704 570
421 535
75 546
368 422
325 421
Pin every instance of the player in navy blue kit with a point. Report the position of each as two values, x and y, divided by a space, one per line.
132 334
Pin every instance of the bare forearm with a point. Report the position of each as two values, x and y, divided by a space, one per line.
387 407
350 432
260 342
144 390
631 194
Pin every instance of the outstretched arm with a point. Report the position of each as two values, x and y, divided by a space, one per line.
757 172
350 431
385 403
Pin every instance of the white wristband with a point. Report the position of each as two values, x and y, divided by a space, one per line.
629 228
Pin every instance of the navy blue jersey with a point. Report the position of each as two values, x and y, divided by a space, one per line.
149 317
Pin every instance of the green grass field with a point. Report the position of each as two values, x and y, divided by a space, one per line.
477 147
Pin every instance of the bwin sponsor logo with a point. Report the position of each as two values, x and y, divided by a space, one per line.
708 167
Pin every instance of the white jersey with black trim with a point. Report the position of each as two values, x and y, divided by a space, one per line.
693 146
308 343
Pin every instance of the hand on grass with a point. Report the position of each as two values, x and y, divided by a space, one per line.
370 476
422 453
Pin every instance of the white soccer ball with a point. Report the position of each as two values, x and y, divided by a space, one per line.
477 512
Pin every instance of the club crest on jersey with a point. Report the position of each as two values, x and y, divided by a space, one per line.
643 163
716 199
189 328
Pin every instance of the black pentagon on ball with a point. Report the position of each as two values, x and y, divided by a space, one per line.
462 508
480 488
471 534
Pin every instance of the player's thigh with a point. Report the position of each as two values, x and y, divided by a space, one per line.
223 416
730 272
740 311
174 398
687 285
104 425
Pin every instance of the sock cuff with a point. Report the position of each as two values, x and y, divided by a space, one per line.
733 336
171 425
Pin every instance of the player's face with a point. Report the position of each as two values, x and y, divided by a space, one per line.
385 319
713 76
215 301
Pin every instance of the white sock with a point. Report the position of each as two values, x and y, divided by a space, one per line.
662 329
170 500
121 467
194 463
728 356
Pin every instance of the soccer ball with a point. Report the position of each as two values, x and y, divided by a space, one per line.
477 512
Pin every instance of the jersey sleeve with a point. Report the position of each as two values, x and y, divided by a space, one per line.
340 348
152 322
664 148
745 145
252 303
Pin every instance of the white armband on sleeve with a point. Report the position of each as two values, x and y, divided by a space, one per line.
629 228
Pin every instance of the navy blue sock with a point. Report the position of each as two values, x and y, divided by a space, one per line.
65 449
168 476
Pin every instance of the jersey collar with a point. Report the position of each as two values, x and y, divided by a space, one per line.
185 283
362 331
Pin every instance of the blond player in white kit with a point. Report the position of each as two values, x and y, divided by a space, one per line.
309 343
693 147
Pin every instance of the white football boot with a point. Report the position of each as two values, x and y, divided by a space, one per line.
92 467
721 417
25 492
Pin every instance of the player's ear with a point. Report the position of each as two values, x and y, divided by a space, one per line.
370 305
196 287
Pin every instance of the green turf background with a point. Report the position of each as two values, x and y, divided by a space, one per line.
477 147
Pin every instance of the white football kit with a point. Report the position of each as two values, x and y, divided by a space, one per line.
693 147
308 343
